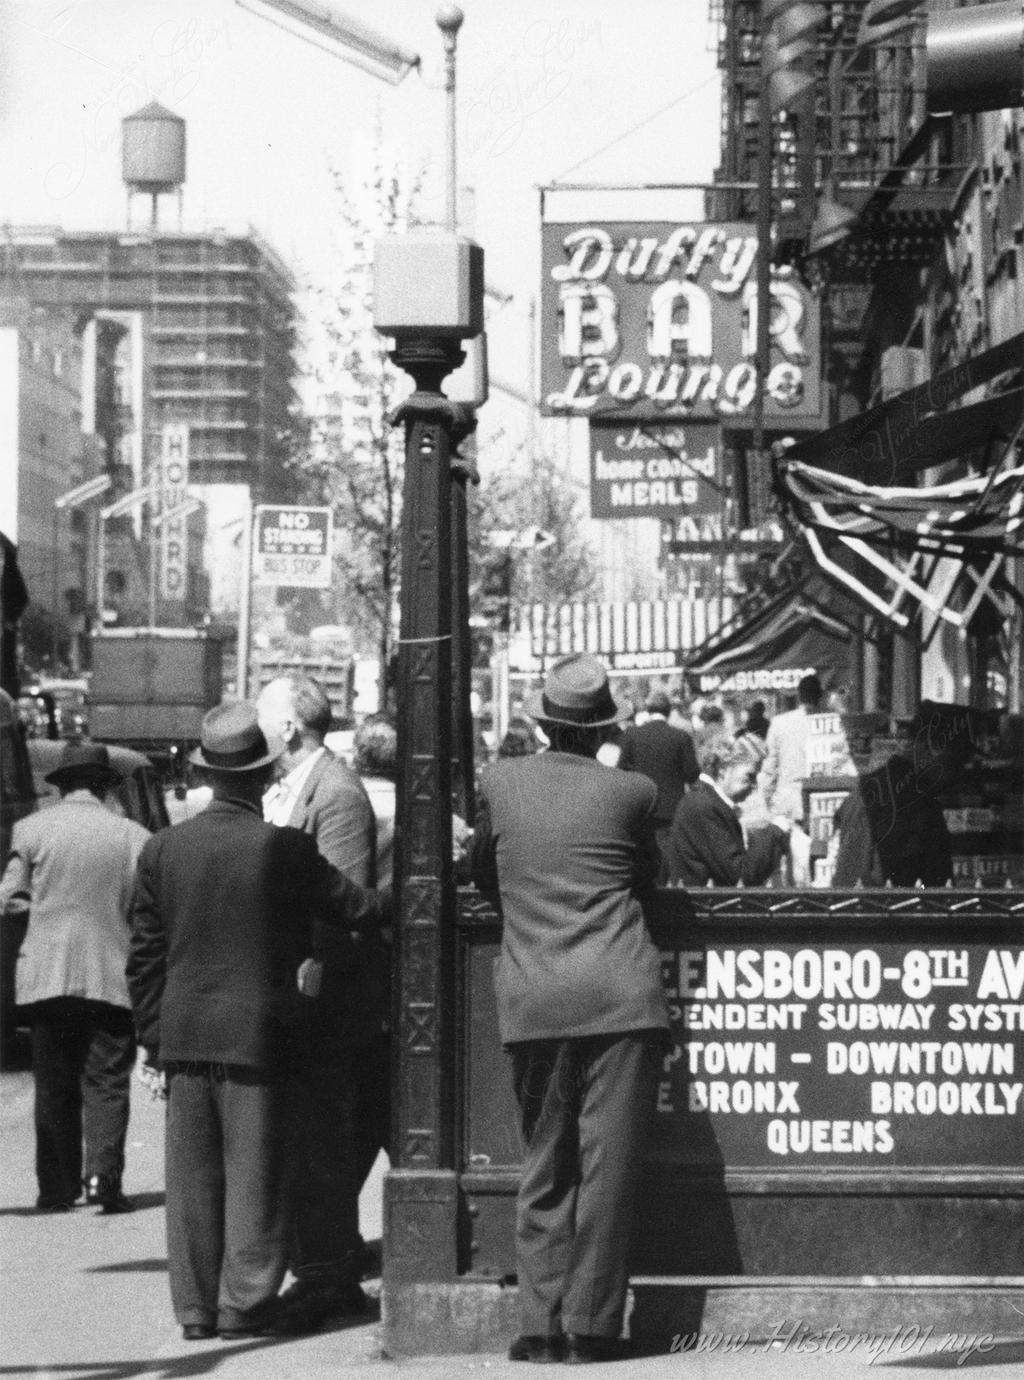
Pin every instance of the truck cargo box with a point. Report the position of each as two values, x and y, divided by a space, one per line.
153 683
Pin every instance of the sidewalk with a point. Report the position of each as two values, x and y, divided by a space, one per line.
84 1297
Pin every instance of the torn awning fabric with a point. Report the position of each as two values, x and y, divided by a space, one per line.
898 548
911 432
980 514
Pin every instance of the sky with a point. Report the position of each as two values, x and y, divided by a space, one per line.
548 90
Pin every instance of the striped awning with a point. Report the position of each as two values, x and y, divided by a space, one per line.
633 635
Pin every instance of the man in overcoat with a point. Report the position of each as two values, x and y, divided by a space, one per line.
566 848
73 866
347 1002
222 916
664 753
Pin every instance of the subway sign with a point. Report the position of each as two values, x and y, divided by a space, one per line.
842 1053
655 320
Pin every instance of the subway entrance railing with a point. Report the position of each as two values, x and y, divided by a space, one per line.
838 1138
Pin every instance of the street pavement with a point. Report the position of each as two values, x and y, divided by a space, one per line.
84 1297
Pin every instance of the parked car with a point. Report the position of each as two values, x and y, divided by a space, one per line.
55 709
139 795
24 766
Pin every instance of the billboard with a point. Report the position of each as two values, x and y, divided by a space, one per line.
652 320
655 471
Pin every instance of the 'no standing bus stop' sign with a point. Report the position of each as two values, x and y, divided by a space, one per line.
292 546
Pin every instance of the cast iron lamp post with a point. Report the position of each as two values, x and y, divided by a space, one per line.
429 298
429 291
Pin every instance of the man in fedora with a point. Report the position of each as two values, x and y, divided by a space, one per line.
222 921
566 848
73 866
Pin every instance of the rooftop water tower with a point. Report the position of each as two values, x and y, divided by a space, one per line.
153 155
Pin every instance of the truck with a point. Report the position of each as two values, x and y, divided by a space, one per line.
335 673
150 688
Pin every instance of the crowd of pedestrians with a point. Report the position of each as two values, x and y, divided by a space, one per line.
245 954
242 956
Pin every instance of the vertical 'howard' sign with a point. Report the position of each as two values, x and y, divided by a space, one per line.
174 509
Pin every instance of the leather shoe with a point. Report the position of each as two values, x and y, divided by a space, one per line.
106 1194
53 1205
262 1327
198 1332
581 1348
308 1303
540 1350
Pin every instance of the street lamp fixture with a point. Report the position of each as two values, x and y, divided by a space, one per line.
833 222
338 34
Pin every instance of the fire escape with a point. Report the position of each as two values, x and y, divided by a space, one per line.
864 181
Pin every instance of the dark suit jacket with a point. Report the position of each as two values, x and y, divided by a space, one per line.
222 917
667 756
706 843
567 847
335 810
892 829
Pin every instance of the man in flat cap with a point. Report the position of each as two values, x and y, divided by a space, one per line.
566 848
73 866
222 919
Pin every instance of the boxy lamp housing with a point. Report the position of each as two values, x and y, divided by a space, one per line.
428 285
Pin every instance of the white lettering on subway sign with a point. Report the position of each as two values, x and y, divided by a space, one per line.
822 1050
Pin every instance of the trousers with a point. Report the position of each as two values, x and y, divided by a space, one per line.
228 1200
326 1245
82 1057
585 1106
372 1085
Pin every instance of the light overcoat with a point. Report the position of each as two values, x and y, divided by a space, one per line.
75 864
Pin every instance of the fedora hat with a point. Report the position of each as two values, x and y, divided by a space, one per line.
576 692
86 764
231 740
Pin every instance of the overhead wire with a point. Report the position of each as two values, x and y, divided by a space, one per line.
649 119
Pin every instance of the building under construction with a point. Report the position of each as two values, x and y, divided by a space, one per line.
179 329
